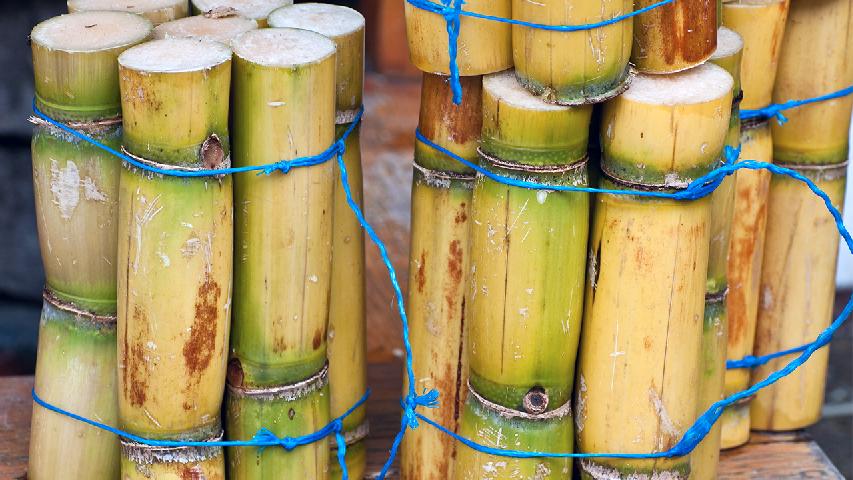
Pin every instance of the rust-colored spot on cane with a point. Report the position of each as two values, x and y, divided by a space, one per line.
454 268
461 215
420 276
192 473
689 31
647 343
135 382
317 340
463 122
198 350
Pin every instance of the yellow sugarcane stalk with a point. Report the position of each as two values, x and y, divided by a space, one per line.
484 46
761 24
175 240
157 11
643 321
674 37
208 26
572 67
347 324
257 10
745 257
705 458
438 268
526 281
798 277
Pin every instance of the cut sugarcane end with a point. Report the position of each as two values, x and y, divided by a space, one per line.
701 84
332 21
202 27
174 55
91 31
254 9
283 47
158 11
505 86
729 43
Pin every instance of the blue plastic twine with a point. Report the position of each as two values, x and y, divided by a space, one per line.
776 109
452 13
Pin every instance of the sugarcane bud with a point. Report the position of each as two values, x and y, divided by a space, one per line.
535 401
235 373
211 152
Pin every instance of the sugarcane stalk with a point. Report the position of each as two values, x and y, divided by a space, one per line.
484 46
210 27
643 320
761 24
744 271
175 240
815 36
257 10
571 68
347 343
284 108
527 270
802 241
705 458
674 37
143 462
438 268
76 183
157 11
75 370
290 410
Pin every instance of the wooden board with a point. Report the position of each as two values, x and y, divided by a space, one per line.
767 456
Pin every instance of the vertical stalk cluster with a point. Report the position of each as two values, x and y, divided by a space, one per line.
526 282
802 241
643 319
761 24
174 253
283 108
438 268
346 315
77 194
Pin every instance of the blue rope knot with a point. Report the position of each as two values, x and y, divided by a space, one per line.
428 399
265 438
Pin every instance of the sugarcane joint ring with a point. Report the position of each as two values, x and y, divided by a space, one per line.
535 401
742 402
288 393
737 99
564 410
90 127
225 162
753 123
818 172
50 297
345 117
520 167
443 178
643 187
142 454
717 297
351 437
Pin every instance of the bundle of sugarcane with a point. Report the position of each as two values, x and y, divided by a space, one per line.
438 267
157 11
761 24
257 10
174 255
572 68
674 37
347 328
802 240
643 320
705 457
527 265
76 186
284 81
483 46
211 26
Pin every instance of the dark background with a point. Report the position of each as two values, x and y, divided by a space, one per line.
21 275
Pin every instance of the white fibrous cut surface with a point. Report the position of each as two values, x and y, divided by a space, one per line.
174 55
505 86
329 20
203 28
701 84
728 43
132 6
282 47
254 9
91 31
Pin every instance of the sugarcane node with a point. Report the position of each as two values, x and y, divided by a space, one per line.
754 122
352 436
211 152
443 178
143 454
635 185
717 297
564 410
818 172
51 298
535 401
289 392
235 372
523 167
